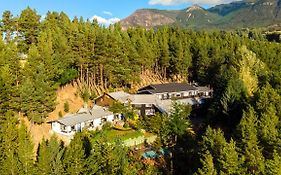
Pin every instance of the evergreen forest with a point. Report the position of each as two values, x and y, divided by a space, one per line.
239 131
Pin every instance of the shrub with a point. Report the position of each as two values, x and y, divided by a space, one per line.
106 126
66 107
126 125
60 114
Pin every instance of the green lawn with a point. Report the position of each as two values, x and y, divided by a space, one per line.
115 135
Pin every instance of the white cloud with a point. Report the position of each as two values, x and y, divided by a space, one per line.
107 13
105 21
176 2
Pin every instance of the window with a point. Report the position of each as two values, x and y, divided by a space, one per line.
62 127
89 123
165 96
103 120
149 112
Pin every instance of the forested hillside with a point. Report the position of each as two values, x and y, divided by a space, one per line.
239 130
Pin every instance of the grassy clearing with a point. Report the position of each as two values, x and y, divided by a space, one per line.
113 135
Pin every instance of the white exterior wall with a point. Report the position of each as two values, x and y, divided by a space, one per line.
56 127
110 118
68 128
82 125
77 127
97 122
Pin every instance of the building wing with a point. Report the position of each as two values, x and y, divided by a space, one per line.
94 113
168 87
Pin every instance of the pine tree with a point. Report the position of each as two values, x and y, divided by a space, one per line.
100 55
9 161
116 70
268 125
214 142
229 161
25 151
28 23
131 53
254 160
176 54
74 159
233 101
208 167
49 158
273 166
10 76
179 122
43 158
164 58
56 155
143 49
265 96
38 87
8 25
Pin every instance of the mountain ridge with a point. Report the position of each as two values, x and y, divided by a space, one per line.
238 14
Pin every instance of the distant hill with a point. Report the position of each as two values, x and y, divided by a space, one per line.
239 14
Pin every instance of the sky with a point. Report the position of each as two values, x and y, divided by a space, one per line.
105 11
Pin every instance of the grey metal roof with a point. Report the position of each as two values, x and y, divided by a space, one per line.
165 106
120 96
204 89
144 99
99 111
73 119
167 87
83 111
188 101
95 112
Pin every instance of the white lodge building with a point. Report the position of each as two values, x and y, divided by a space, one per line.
83 119
149 100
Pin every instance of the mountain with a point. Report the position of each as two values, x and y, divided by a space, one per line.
225 9
149 18
239 14
196 17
